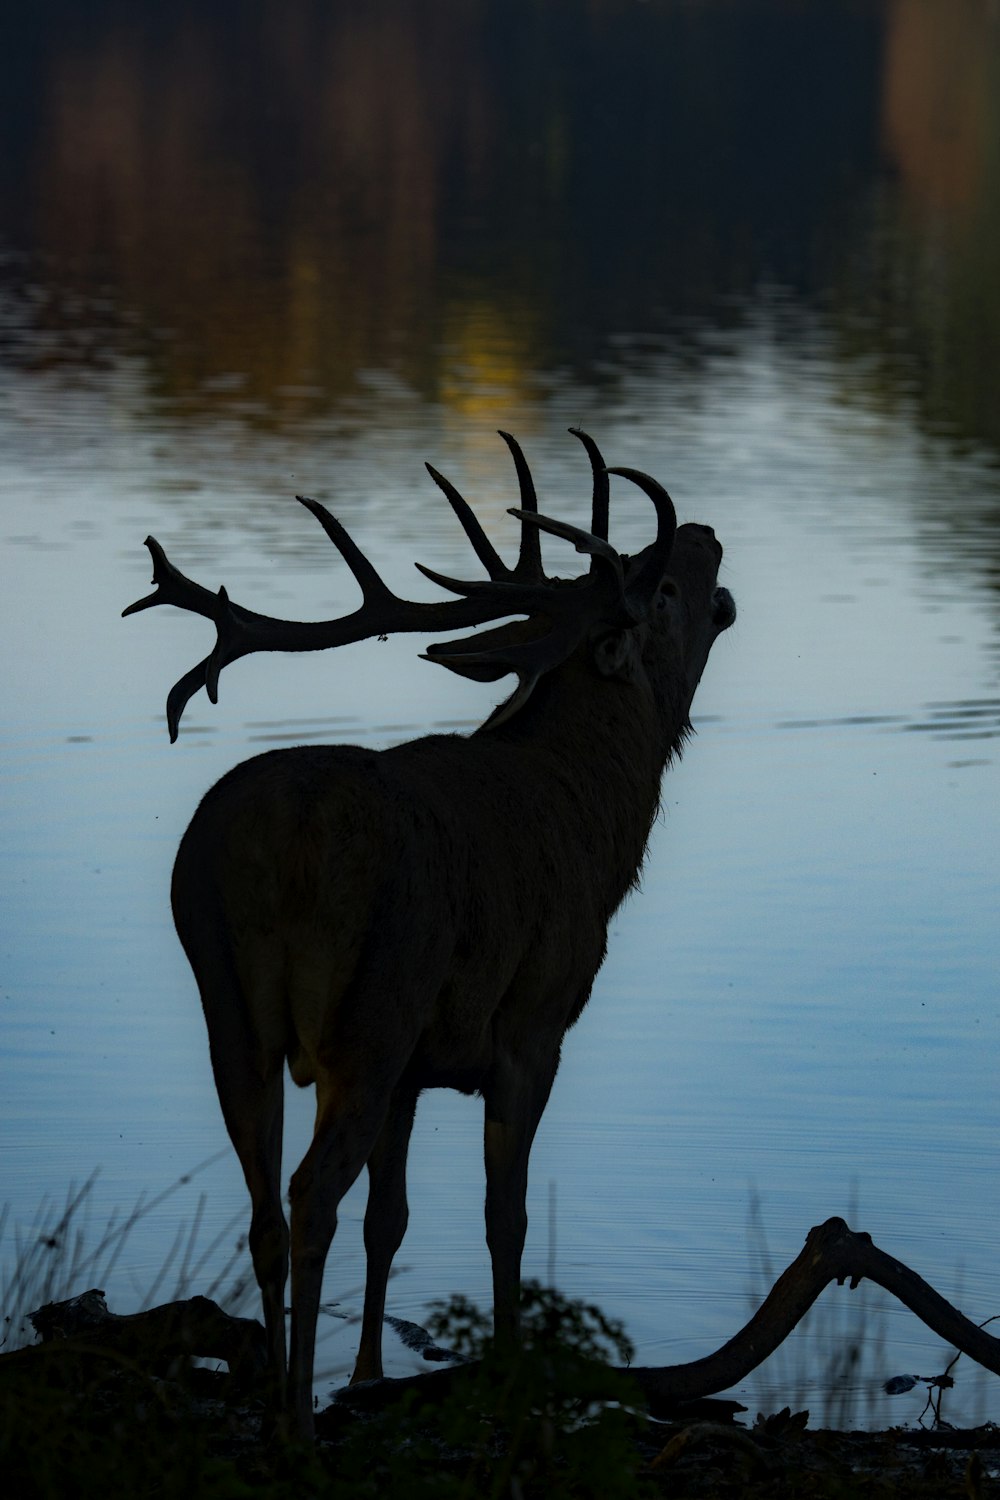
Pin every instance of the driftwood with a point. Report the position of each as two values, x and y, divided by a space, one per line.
83 1328
832 1252
197 1327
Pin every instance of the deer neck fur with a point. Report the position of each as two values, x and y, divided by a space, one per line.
600 746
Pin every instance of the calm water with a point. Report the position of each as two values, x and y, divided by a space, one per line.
239 264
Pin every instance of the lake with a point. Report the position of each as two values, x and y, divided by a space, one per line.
240 261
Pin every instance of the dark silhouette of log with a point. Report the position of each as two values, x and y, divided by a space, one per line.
83 1328
832 1252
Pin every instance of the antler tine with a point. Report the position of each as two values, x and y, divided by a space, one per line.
602 485
172 587
652 562
529 561
518 598
484 548
182 692
600 551
373 587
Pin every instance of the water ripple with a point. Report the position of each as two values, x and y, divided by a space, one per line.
965 719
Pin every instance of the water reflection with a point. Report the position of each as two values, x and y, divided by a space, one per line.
921 289
269 206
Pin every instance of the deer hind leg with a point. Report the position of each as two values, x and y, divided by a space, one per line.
515 1097
348 1124
385 1225
254 1120
249 1083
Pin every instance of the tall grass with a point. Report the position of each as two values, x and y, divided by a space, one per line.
61 1253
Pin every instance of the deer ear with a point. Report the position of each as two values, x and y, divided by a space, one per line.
617 654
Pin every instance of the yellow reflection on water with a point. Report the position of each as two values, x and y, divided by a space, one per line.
941 106
487 351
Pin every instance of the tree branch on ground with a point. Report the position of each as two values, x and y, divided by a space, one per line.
197 1327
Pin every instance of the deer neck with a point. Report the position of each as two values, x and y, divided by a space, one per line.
603 745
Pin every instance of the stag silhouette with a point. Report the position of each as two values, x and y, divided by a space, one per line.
434 914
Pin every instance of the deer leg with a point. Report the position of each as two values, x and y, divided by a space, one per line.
515 1098
251 1092
255 1128
385 1225
347 1127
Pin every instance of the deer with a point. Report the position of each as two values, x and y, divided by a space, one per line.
432 914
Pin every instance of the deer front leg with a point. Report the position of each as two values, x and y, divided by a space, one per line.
385 1225
515 1098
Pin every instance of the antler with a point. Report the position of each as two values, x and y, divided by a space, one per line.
570 607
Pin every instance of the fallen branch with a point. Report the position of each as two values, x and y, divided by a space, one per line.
195 1328
832 1252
